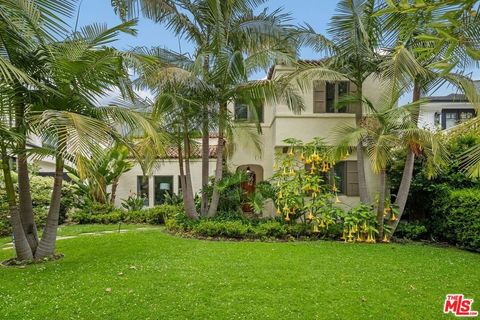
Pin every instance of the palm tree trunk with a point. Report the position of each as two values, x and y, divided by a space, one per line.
212 211
205 160
362 180
188 192
114 190
404 189
183 182
25 206
46 247
22 248
381 202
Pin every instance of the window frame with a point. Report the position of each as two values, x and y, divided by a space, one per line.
156 201
146 201
457 113
250 116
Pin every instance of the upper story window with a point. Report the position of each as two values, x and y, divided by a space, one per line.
452 117
327 94
243 113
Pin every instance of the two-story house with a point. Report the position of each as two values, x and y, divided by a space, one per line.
319 119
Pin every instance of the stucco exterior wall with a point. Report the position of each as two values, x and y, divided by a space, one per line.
128 182
426 118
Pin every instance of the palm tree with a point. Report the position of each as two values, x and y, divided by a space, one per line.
231 42
25 25
72 121
352 48
384 130
428 42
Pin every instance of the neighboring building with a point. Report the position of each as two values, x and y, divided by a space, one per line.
444 112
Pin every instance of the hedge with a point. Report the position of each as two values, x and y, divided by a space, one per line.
247 229
155 215
456 219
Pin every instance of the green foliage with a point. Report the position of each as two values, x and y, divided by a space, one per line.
98 173
456 218
231 194
41 188
302 186
413 230
173 199
133 203
238 227
109 215
424 192
359 225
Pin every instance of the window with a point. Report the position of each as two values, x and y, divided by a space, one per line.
452 117
243 113
326 96
330 97
162 185
179 184
142 189
437 119
345 175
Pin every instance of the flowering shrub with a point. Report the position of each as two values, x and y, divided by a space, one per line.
306 187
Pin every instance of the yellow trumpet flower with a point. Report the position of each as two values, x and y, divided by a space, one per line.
337 200
385 238
310 216
287 218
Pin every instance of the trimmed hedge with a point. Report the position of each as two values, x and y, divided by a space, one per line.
155 215
247 229
456 219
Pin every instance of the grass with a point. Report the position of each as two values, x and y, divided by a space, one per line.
153 275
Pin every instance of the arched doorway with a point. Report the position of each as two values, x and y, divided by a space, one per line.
254 174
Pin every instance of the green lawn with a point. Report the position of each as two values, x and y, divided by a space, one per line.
153 275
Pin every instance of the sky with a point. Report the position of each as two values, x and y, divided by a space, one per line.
316 13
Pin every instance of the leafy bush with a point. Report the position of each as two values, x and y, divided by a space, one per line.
456 218
133 203
41 189
248 229
424 192
155 215
413 230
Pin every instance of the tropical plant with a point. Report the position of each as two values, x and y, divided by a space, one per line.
93 176
305 187
133 203
428 41
352 49
231 42
384 130
65 116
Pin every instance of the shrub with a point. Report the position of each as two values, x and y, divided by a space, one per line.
41 189
413 230
108 215
456 218
133 203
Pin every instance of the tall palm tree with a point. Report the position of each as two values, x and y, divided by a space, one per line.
80 70
384 130
352 48
427 44
24 26
231 42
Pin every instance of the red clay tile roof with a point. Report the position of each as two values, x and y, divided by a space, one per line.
172 152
